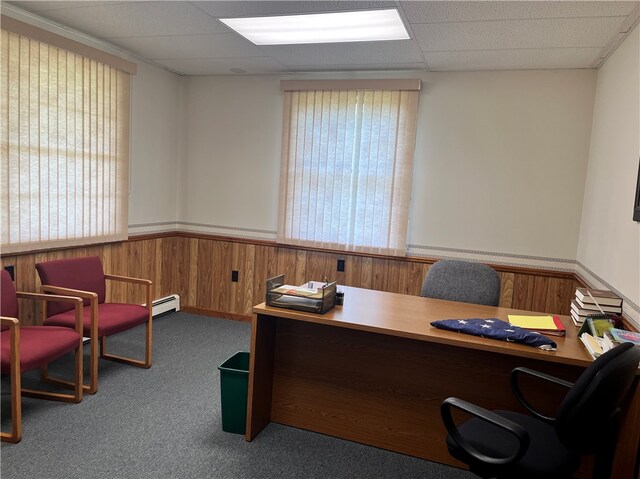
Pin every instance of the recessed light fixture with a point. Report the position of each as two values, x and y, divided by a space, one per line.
358 26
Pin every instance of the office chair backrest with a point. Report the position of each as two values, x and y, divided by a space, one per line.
8 300
84 273
585 414
462 281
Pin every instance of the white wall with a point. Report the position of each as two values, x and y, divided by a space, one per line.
499 167
230 174
154 154
609 247
500 162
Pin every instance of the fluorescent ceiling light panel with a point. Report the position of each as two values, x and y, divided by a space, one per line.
359 26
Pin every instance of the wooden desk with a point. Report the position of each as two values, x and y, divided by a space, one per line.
375 371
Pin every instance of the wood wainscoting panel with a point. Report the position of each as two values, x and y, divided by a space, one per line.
221 268
506 290
198 268
523 291
379 274
320 266
292 263
192 262
172 266
26 279
204 277
416 272
247 299
394 268
559 295
264 267
241 292
539 302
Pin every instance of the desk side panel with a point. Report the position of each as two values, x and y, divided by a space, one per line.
260 374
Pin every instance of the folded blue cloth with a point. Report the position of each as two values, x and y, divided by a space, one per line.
495 328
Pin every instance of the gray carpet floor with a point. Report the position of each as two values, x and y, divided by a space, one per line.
164 422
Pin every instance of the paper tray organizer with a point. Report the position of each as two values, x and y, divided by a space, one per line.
320 303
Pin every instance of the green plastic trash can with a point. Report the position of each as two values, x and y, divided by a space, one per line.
234 385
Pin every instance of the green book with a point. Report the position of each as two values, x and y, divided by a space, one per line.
596 327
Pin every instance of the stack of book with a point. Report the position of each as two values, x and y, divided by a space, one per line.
593 301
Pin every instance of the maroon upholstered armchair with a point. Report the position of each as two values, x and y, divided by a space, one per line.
85 278
28 347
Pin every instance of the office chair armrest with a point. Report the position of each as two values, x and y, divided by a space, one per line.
77 302
520 397
520 434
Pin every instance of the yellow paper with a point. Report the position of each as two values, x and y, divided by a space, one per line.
533 322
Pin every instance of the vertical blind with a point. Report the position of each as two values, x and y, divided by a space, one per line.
64 145
347 164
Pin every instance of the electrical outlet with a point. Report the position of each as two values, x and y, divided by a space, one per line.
234 276
341 265
11 270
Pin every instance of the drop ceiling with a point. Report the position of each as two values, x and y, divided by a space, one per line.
187 37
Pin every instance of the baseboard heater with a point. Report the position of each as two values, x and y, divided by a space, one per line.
165 305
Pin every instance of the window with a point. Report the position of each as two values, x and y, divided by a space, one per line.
65 141
347 163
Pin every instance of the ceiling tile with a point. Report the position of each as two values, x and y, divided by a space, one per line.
187 37
530 59
500 34
137 19
258 9
54 5
219 45
223 66
434 12
400 51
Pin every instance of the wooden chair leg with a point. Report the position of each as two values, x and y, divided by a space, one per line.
149 342
90 388
103 346
93 366
79 373
15 435
76 385
16 399
132 362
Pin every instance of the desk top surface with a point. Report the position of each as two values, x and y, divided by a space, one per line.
410 317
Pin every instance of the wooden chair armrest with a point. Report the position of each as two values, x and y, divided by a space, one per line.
79 295
128 279
78 305
47 288
48 297
11 322
145 282
14 349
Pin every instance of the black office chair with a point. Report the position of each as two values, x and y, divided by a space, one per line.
462 281
504 444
